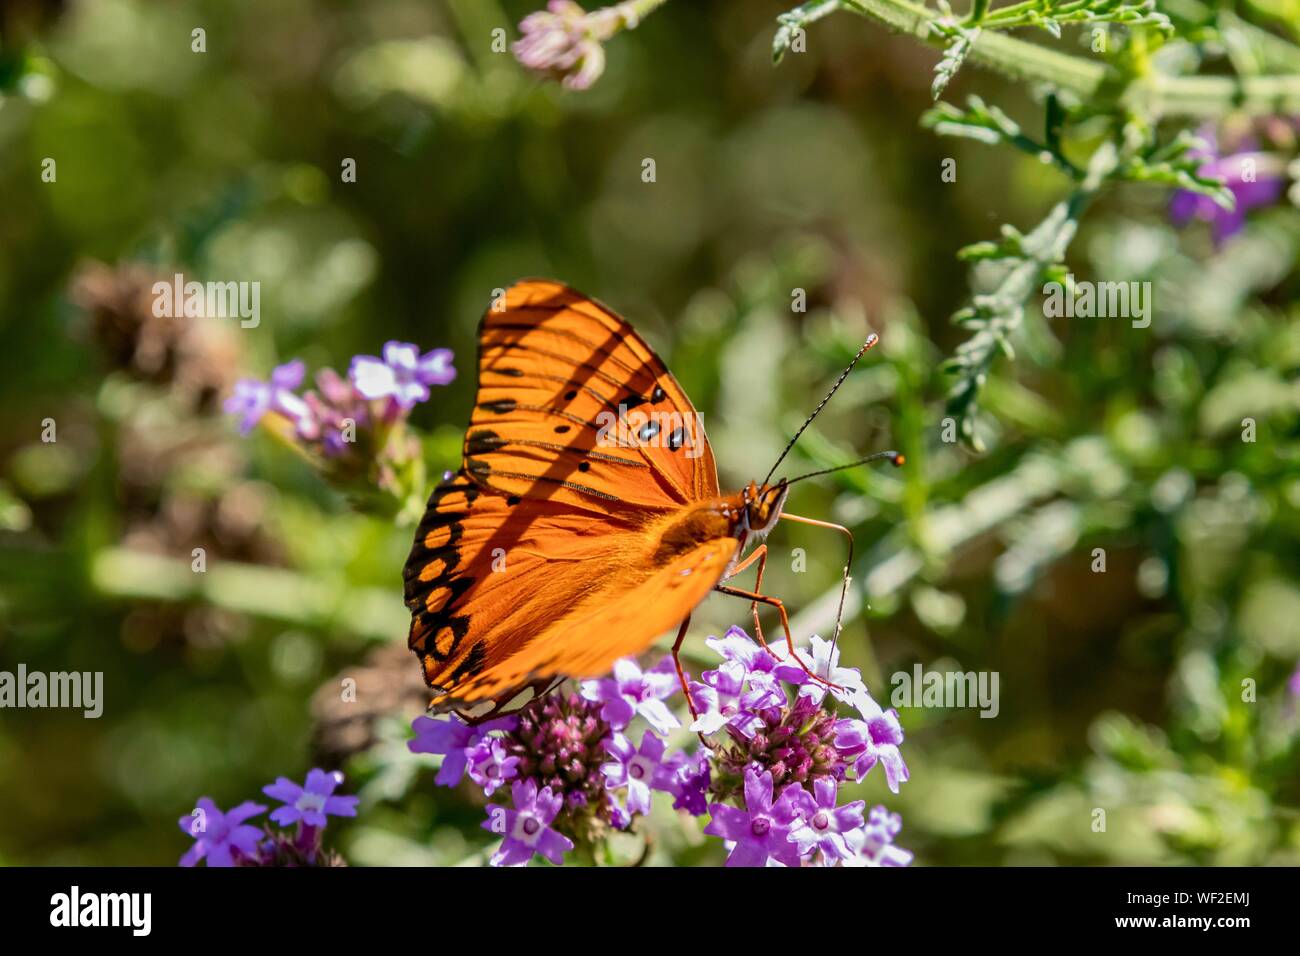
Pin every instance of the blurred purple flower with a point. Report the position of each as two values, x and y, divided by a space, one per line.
311 803
526 826
253 398
337 411
402 375
630 692
873 843
223 839
565 41
1255 179
762 830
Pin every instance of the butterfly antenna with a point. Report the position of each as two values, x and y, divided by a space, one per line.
872 339
895 458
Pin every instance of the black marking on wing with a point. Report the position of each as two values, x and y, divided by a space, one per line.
441 625
473 663
480 469
480 442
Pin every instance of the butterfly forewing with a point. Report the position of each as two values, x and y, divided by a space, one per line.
574 406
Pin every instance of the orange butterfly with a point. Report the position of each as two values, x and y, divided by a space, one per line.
586 519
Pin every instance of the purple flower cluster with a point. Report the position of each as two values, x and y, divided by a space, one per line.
377 393
226 839
779 763
567 769
561 770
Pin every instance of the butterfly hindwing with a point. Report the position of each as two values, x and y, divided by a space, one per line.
506 595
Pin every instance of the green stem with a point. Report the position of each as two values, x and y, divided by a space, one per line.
638 10
276 593
998 314
1007 55
1155 95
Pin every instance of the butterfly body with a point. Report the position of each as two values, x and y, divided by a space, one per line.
748 516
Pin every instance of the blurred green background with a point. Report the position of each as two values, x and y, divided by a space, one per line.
1120 690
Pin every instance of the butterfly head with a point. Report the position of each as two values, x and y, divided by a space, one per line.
762 507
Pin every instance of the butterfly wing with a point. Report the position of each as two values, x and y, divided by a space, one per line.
574 406
541 556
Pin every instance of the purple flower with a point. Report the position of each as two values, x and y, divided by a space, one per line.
620 818
738 647
337 411
873 844
876 738
747 681
565 41
218 836
762 830
526 826
689 782
310 803
451 738
253 398
638 770
719 700
631 691
825 662
403 375
1254 178
824 825
1293 685
490 765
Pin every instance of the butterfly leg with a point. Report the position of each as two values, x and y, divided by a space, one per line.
785 623
759 554
681 672
848 564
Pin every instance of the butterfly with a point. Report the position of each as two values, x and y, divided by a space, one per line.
586 518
